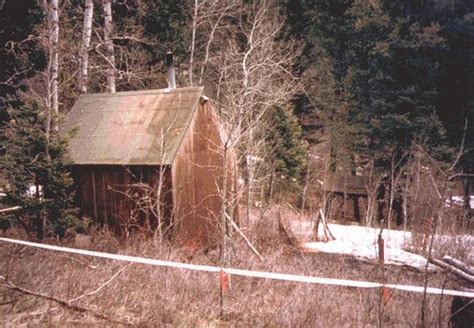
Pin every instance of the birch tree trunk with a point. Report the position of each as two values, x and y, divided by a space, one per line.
193 41
84 51
108 27
54 40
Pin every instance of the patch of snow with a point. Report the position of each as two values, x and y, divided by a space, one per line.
361 242
466 240
33 190
458 201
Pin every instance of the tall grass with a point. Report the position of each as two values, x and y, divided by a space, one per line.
154 296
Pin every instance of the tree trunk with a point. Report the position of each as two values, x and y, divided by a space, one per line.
250 176
193 41
357 209
108 27
306 183
405 193
84 51
272 181
224 256
467 201
54 40
332 156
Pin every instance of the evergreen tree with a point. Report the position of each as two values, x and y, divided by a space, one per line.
17 21
455 103
324 30
392 85
289 151
380 61
37 171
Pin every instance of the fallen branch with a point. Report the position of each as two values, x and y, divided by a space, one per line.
100 287
285 229
453 269
9 302
459 264
326 230
132 38
293 209
236 227
73 259
10 209
63 303
22 316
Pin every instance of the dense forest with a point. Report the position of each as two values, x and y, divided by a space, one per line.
373 81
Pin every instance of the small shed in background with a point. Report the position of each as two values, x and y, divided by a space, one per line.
347 196
150 158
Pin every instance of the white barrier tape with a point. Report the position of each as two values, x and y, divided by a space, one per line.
246 273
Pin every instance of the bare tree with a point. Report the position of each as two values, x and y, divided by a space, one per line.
246 70
209 19
52 102
193 41
108 29
85 45
43 85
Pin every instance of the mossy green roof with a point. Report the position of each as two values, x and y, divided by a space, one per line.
130 128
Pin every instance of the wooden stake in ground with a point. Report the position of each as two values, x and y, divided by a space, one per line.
381 245
384 293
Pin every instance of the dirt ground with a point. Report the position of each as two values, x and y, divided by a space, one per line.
99 292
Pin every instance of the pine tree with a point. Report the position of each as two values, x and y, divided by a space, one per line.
37 171
17 19
380 62
393 82
289 151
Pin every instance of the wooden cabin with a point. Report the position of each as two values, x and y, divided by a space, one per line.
151 158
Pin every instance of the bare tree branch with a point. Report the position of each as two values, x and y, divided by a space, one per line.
66 304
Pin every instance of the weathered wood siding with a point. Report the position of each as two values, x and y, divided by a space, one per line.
197 174
101 192
192 192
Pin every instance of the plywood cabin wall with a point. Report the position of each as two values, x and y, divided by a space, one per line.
197 174
101 192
